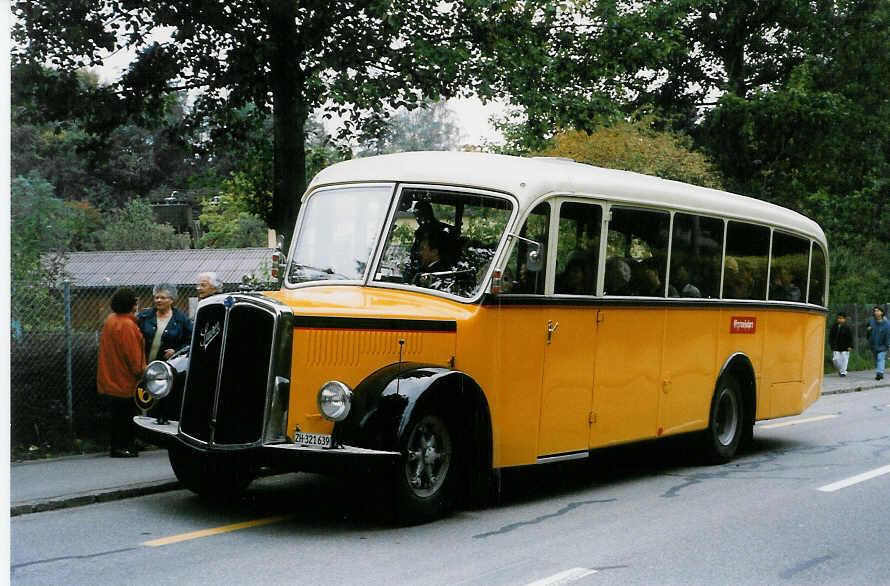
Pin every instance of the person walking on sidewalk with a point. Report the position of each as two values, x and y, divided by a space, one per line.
120 367
879 340
841 340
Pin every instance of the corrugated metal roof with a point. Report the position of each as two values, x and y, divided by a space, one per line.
180 267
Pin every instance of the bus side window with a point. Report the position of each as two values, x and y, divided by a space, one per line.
789 267
577 248
520 275
745 265
817 276
636 252
696 254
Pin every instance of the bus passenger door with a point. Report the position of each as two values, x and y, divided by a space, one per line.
567 382
570 327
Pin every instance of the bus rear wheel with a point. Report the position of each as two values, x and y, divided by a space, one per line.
726 424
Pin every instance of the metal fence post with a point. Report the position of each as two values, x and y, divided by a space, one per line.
69 379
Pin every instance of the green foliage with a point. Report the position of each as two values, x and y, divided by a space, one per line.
860 275
43 230
287 58
134 228
636 146
430 127
228 219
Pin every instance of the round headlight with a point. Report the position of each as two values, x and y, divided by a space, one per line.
334 400
158 379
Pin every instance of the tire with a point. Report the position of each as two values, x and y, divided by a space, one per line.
217 476
425 477
726 423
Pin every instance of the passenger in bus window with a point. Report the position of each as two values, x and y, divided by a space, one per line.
617 276
573 280
681 283
647 280
737 280
782 287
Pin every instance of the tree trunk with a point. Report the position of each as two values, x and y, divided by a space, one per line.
289 119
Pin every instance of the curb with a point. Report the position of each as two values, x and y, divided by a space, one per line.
92 497
857 389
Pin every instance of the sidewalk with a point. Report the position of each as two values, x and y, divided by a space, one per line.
57 483
861 380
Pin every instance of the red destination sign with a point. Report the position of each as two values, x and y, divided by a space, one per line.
742 325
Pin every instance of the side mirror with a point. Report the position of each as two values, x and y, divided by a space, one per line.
534 259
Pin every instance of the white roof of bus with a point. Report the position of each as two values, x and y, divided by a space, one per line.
529 178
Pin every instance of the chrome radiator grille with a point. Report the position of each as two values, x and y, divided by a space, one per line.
230 369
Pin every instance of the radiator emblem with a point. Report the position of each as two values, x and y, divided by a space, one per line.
208 334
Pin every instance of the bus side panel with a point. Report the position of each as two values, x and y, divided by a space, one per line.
748 341
783 360
627 378
790 397
689 369
814 359
514 358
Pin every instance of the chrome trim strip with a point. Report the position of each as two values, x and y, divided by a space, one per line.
579 455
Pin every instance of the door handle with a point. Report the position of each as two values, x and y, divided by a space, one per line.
551 327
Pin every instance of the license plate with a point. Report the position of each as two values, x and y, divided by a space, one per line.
312 439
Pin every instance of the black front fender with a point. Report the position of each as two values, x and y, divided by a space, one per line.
384 403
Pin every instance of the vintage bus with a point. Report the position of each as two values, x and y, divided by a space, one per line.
445 315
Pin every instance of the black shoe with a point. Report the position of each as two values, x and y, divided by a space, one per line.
843 374
119 453
879 377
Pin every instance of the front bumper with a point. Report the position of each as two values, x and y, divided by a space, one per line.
281 456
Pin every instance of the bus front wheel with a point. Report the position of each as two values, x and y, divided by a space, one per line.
425 477
726 424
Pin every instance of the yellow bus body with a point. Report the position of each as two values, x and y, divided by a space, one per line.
609 375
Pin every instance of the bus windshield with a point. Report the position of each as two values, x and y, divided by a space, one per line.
337 235
443 240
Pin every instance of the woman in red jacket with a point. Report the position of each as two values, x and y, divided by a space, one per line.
121 364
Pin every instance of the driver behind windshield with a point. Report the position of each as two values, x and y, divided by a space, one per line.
428 227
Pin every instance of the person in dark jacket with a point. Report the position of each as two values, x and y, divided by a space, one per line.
166 329
120 367
879 340
841 340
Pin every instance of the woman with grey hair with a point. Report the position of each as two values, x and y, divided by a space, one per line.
166 329
208 284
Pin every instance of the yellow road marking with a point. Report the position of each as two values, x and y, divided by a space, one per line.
796 421
213 531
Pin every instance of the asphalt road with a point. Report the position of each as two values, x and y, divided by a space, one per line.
809 504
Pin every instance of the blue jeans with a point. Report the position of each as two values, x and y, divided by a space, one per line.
879 358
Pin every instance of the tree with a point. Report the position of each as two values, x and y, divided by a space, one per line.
428 128
43 231
228 219
62 129
287 58
636 146
134 228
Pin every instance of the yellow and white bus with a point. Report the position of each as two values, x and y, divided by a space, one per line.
443 315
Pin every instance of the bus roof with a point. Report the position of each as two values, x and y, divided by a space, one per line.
528 178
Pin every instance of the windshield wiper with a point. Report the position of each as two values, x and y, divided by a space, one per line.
327 271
